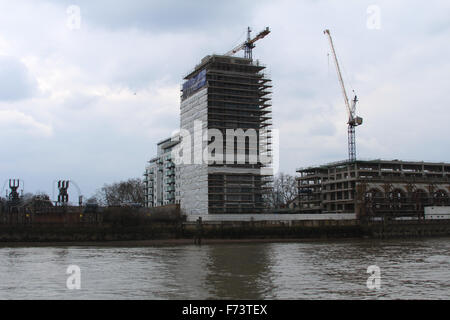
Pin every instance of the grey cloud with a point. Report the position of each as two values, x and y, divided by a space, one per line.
401 69
16 83
162 16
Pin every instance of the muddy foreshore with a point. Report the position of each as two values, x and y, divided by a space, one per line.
184 234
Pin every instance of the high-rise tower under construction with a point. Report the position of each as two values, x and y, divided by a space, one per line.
226 137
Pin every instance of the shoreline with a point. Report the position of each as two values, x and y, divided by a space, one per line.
164 242
173 235
186 241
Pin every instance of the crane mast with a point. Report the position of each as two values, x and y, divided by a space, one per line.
249 44
353 120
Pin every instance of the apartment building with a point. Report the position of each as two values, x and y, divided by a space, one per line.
160 176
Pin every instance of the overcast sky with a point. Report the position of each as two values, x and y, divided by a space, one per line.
88 102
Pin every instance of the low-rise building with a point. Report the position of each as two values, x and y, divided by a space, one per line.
374 188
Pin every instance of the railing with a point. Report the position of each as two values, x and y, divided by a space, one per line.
169 188
170 196
170 180
170 173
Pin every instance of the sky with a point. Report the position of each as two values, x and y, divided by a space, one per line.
87 88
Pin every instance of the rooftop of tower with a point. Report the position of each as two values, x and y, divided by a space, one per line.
225 59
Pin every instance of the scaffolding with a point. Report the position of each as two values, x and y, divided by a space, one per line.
374 188
239 95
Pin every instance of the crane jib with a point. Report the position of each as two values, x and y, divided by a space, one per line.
249 42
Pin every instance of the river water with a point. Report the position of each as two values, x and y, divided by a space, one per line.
409 269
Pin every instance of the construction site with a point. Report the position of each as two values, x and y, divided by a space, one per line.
228 92
237 97
373 189
376 188
225 93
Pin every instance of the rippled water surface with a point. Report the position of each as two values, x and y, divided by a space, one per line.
410 269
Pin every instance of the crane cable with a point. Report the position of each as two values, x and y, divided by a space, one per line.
239 39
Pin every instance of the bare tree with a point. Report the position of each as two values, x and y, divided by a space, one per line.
130 192
92 200
284 190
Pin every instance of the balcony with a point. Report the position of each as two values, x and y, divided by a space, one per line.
170 196
169 188
169 165
170 173
170 180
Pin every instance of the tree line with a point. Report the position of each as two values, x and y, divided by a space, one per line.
282 192
131 193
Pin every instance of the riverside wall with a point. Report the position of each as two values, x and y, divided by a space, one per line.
245 230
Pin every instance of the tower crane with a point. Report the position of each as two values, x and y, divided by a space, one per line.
249 44
353 120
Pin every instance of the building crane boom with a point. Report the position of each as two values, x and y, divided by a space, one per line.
248 45
353 120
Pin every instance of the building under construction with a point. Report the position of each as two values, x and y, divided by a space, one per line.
376 188
221 161
223 93
371 189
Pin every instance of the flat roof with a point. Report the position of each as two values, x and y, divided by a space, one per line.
373 161
171 141
232 59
